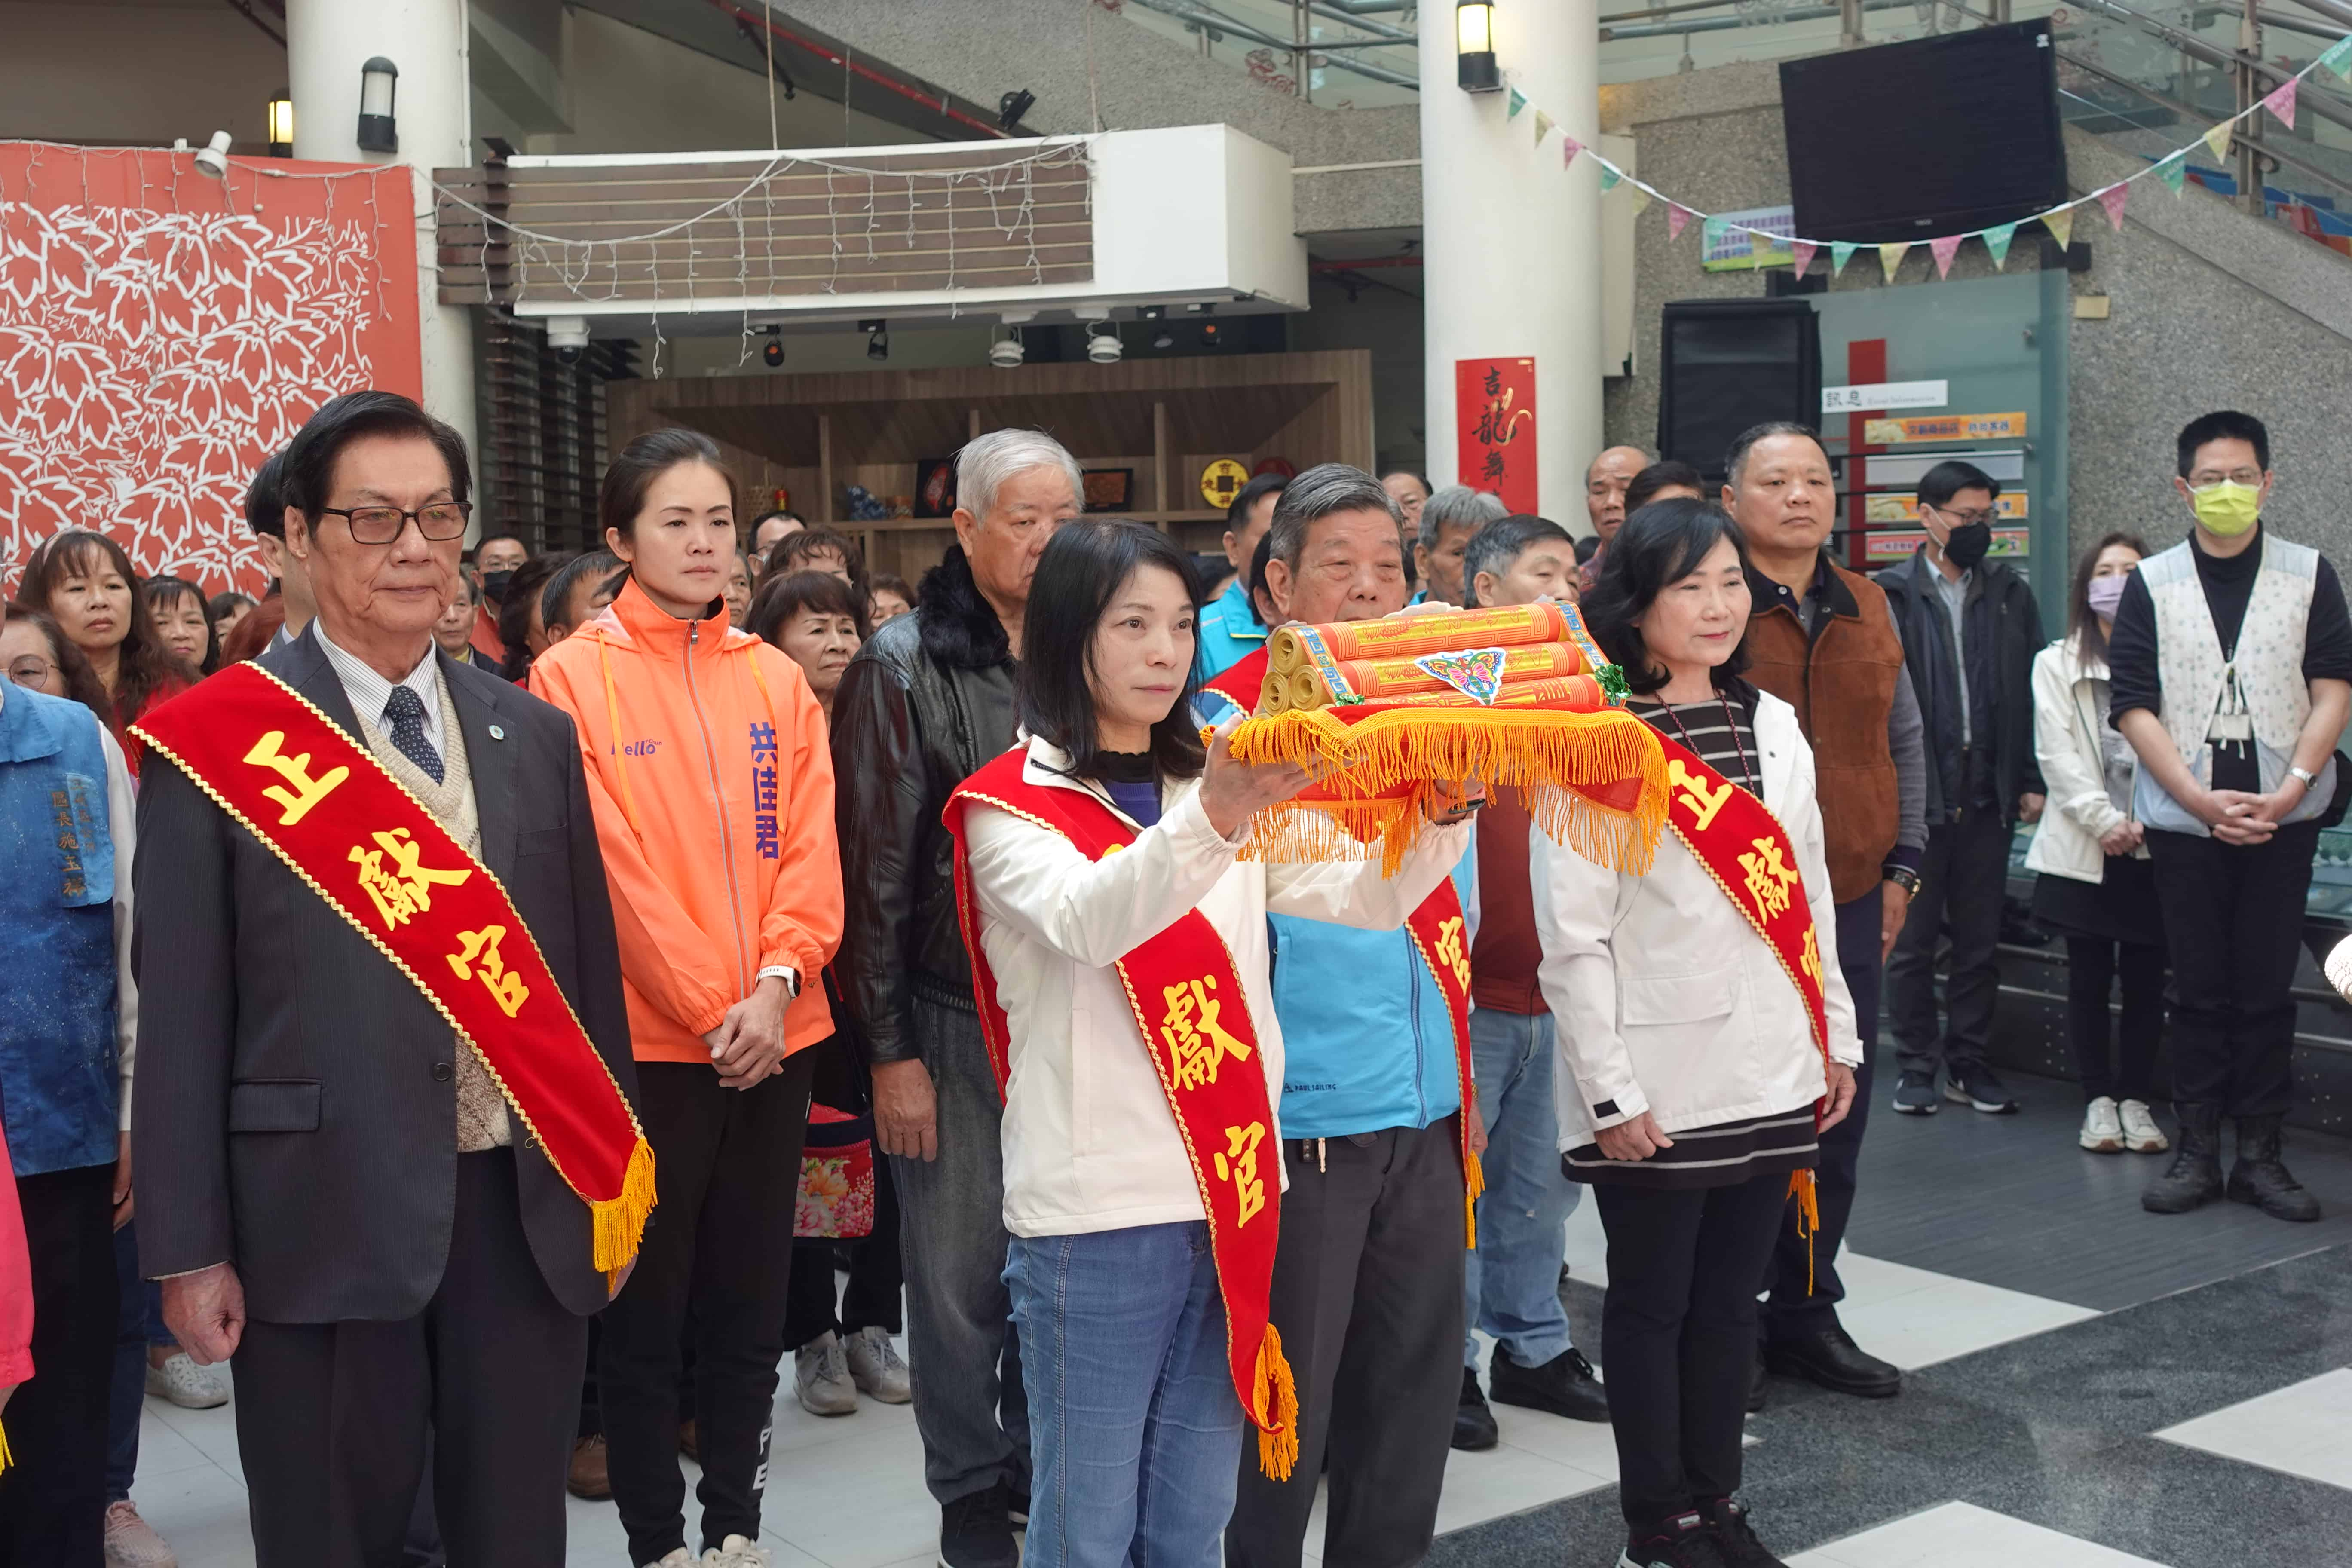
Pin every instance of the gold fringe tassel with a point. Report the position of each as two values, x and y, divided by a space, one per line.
1802 1188
1474 1187
1387 765
5 1456
1273 1395
620 1222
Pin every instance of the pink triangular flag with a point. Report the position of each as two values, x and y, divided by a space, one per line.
1678 218
1804 251
2280 102
2113 198
1569 148
1942 250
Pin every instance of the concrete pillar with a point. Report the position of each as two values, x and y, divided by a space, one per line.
326 41
1512 244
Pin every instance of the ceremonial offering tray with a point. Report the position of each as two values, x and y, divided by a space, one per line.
1392 715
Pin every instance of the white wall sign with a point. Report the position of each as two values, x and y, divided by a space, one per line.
1886 395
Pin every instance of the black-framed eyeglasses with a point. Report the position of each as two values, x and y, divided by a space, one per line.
30 670
443 520
1969 519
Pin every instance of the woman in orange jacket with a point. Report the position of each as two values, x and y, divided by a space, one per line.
712 786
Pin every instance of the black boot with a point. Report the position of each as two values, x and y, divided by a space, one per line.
2193 1179
2260 1177
1473 1424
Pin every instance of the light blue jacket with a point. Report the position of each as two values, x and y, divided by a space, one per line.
1229 632
1364 1026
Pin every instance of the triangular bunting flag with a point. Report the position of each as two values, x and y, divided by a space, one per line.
1543 126
1678 218
1641 198
2061 225
1996 241
1611 176
2113 198
2174 171
1804 251
1942 250
2338 59
1519 101
1569 148
2217 140
2280 102
1840 254
1890 257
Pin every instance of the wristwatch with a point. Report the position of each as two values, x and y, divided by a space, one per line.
784 971
1906 879
2310 780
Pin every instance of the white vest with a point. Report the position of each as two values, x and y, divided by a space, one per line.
2266 672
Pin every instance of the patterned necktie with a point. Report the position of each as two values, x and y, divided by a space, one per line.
404 712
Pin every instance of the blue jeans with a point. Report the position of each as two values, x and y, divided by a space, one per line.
1134 1429
1511 1283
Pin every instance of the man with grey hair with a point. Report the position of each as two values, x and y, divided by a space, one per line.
1448 519
1367 1267
927 700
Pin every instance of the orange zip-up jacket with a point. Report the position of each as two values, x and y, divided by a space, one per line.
712 783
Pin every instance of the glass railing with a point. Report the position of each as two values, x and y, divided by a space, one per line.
1343 54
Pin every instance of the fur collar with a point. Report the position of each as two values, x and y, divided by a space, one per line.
959 628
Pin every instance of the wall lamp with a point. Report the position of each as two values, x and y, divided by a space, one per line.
282 126
379 86
1473 46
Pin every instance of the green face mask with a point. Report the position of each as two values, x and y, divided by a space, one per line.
2227 508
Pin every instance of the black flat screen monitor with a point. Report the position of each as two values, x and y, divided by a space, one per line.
1936 136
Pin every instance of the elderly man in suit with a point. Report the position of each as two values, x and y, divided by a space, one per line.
389 1194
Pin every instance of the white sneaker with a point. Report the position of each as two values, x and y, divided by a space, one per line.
681 1558
131 1542
876 1366
821 1376
186 1384
2103 1132
738 1551
2141 1134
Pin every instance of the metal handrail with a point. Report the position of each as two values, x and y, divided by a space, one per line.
1199 16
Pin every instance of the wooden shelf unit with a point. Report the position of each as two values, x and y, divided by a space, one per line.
1167 419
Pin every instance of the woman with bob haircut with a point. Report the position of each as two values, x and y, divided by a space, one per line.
1119 945
1705 1037
712 786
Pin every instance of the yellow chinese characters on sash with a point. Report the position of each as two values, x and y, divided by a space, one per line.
1192 1019
321 803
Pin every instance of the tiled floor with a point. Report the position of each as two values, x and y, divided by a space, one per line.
2140 1410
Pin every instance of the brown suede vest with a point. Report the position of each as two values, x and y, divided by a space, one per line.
1841 685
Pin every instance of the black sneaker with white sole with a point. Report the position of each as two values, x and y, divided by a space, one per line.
1686 1541
976 1530
1740 1547
1979 1087
1914 1094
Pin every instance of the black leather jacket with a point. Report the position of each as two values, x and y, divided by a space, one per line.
927 700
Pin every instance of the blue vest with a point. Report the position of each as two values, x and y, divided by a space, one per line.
59 1087
1229 632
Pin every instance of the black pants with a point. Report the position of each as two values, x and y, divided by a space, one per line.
876 1275
1790 1309
1960 885
2092 964
1678 1334
721 1238
1368 1296
336 1423
2233 921
53 1496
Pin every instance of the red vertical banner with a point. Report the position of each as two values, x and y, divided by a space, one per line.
1865 365
1495 408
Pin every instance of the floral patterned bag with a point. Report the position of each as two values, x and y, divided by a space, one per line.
837 1195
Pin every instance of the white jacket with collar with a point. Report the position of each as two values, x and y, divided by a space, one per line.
2070 709
1089 1143
1666 999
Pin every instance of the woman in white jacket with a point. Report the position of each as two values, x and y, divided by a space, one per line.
1694 1074
1086 854
2095 885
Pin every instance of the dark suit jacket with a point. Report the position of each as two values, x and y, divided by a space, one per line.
297 1110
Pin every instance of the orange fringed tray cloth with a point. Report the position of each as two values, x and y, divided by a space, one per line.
1390 714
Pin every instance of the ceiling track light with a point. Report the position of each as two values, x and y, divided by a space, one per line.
1102 346
771 353
877 338
1005 353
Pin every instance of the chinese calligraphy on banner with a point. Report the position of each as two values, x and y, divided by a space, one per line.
1494 406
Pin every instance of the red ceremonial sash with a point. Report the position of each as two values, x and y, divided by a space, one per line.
1193 1014
1440 935
1742 846
324 804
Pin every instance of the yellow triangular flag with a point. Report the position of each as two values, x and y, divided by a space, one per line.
1890 257
1641 199
2061 225
1543 126
2217 140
